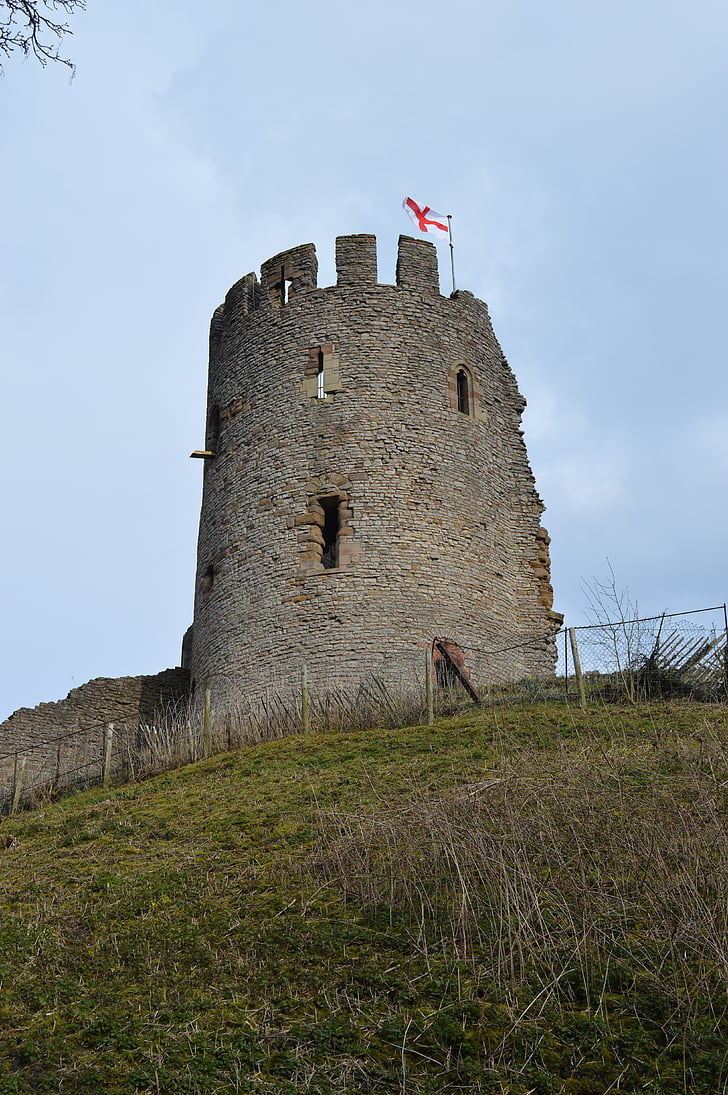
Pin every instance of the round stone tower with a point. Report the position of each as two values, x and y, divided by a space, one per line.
366 486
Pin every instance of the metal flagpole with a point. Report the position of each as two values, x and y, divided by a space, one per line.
452 250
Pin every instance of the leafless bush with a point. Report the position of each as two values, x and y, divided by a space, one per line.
622 639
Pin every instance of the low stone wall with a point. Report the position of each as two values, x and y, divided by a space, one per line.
78 721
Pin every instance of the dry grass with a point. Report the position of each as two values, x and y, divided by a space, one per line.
588 868
178 736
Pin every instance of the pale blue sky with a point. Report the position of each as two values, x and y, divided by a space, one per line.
581 150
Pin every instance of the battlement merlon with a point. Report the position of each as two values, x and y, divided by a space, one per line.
217 326
290 273
295 271
417 265
356 261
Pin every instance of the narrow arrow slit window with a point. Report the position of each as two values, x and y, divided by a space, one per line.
332 526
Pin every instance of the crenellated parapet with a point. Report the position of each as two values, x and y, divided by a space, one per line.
285 277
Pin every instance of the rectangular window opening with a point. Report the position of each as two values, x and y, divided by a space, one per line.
320 377
332 524
286 287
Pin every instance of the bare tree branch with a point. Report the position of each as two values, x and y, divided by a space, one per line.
30 26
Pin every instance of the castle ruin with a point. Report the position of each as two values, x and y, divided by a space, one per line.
367 496
366 486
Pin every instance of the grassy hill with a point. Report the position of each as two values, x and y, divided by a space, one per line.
523 901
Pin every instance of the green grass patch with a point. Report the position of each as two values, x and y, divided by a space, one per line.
509 901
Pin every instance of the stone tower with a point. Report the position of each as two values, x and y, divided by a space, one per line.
366 485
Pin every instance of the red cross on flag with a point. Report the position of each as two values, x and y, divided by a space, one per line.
426 219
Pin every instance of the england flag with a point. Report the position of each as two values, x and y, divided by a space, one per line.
426 219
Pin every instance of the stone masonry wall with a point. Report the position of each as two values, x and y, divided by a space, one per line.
364 498
79 720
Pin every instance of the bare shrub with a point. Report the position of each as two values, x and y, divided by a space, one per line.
574 867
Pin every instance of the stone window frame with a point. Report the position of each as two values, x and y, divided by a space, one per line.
311 538
322 373
475 391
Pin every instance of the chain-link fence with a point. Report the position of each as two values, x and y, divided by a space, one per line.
675 655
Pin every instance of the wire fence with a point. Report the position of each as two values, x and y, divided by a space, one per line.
674 655
679 655
86 758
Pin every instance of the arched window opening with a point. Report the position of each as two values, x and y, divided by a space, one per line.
448 660
463 391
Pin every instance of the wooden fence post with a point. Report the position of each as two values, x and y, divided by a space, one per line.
20 763
566 665
577 667
305 715
108 738
428 687
207 727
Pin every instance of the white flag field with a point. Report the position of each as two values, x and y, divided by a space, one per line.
427 220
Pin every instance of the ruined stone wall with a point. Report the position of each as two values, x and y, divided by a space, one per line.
79 720
384 418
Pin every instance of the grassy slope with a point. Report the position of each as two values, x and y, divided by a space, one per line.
186 935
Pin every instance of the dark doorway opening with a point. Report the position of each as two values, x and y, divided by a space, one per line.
448 660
